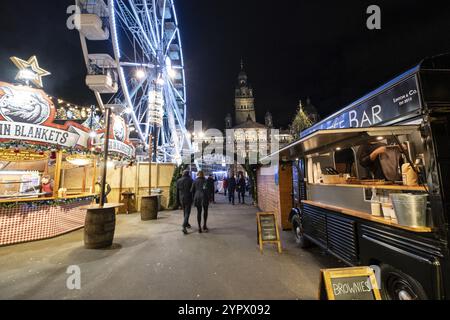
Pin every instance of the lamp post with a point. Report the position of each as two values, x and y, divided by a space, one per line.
100 222
150 156
150 203
105 160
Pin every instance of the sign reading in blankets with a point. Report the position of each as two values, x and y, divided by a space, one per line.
349 284
47 135
27 114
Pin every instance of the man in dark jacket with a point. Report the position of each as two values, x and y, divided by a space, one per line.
201 200
211 188
241 188
184 186
369 158
232 189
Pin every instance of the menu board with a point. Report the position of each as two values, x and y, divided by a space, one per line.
268 230
349 284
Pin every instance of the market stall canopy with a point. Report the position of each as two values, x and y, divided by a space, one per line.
339 138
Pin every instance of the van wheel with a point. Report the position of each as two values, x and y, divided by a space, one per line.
300 239
397 285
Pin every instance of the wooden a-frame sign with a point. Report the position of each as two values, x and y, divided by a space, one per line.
268 232
358 283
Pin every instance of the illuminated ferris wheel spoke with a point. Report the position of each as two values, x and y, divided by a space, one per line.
148 32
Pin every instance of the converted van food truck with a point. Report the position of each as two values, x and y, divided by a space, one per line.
372 183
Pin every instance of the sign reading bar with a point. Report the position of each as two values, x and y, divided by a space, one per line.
268 232
349 284
387 105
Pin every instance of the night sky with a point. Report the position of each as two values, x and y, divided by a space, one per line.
292 49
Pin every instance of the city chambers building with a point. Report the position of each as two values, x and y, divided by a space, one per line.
247 130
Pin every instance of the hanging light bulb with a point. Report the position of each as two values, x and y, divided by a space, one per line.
160 81
140 74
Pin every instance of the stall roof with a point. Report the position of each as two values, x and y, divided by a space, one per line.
358 102
342 138
387 97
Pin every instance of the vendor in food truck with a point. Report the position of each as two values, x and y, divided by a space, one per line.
382 160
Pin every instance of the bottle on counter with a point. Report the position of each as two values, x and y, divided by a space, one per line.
375 204
421 169
409 175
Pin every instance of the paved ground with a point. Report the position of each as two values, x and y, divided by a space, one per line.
154 260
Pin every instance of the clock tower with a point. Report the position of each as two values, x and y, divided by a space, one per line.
244 99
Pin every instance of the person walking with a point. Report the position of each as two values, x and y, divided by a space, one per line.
184 186
201 200
232 189
241 188
211 189
225 186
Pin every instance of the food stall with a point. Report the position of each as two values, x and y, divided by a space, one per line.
34 152
371 183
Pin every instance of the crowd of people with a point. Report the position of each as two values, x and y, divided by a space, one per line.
202 192
239 185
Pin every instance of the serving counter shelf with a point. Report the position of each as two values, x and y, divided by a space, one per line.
37 199
31 219
367 216
378 187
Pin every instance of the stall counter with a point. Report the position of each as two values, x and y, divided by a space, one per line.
24 220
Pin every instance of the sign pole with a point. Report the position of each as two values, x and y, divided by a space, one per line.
150 155
105 160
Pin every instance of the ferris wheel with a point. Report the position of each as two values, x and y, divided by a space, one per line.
134 59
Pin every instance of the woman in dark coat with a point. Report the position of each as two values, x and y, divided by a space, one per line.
201 200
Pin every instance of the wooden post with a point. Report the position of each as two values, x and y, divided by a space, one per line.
46 167
157 175
57 181
83 186
120 184
94 175
137 180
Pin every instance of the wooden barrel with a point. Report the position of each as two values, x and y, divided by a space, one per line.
149 208
99 228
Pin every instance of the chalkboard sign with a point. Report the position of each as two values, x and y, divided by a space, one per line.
268 230
349 284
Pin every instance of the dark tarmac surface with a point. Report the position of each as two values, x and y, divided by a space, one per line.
154 260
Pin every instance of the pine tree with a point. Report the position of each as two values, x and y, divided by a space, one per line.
301 121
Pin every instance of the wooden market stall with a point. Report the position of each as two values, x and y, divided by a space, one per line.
34 152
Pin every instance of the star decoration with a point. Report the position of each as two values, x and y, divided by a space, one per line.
31 69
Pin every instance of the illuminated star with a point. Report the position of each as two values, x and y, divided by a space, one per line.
32 65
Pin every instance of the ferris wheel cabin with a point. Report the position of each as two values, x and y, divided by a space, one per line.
102 75
92 25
